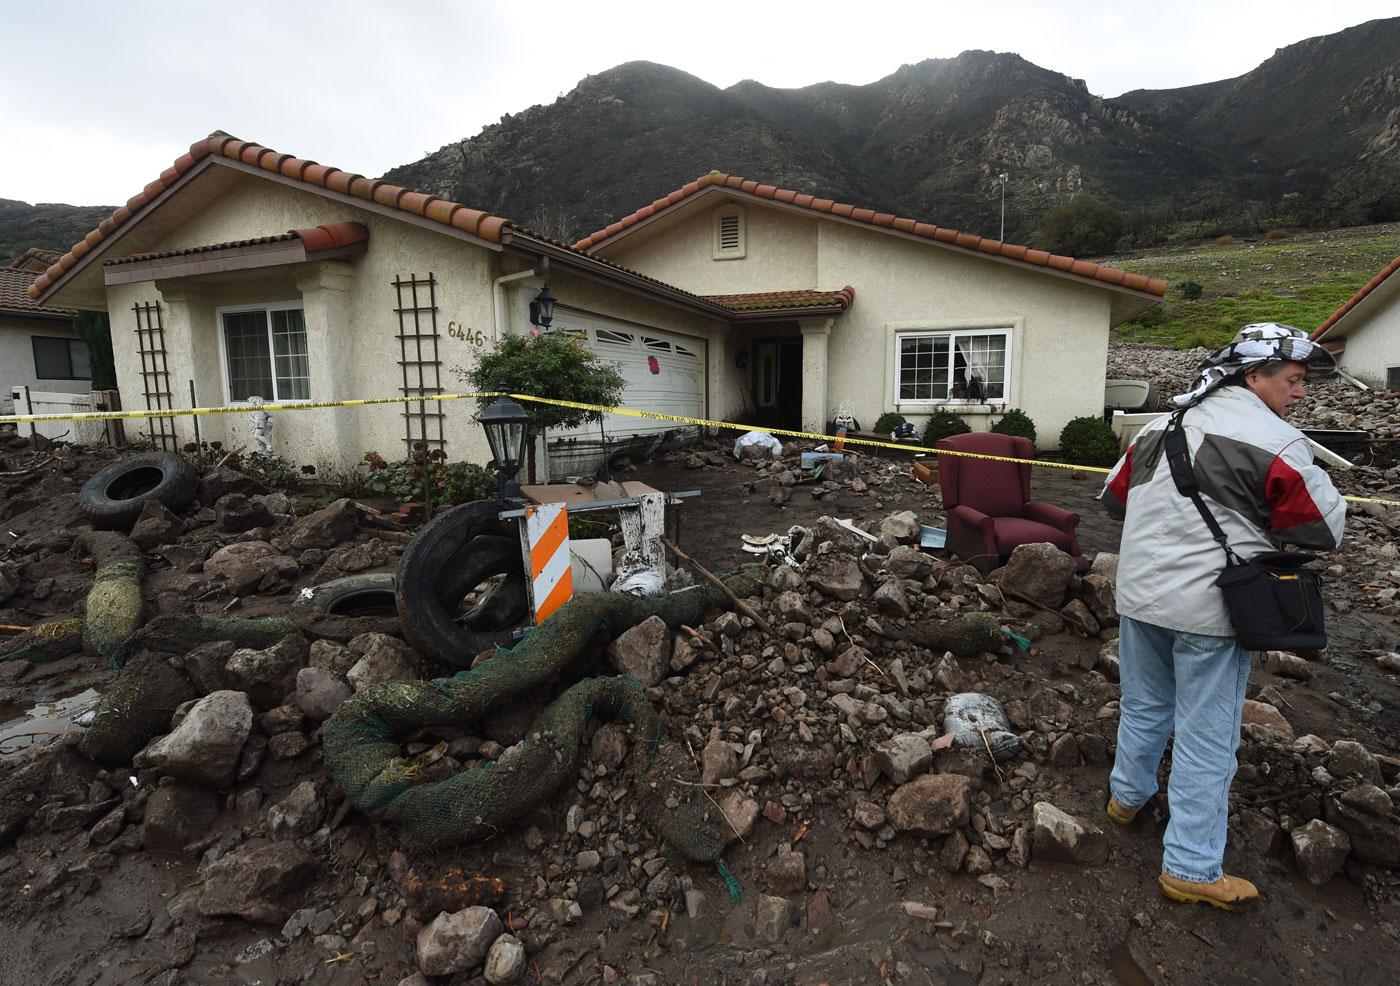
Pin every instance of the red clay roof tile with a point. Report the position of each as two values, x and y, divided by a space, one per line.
1356 299
343 182
14 299
784 300
1011 251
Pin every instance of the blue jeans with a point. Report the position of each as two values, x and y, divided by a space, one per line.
1195 682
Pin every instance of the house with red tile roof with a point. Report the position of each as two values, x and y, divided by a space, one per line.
942 320
243 273
1364 333
39 348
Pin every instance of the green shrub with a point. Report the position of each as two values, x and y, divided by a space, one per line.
1190 290
888 422
942 425
1089 442
447 482
1084 226
1016 422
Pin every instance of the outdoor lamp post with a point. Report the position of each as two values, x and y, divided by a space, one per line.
507 428
542 308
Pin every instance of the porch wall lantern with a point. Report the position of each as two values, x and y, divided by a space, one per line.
542 308
507 428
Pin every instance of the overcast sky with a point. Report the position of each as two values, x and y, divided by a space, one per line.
97 98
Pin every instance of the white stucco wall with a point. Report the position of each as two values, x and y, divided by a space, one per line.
1060 329
780 254
1373 345
17 356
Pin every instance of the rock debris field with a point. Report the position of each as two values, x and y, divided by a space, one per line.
864 845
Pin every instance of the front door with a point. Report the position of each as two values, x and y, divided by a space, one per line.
778 383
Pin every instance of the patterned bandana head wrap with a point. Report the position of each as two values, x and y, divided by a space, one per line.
1260 342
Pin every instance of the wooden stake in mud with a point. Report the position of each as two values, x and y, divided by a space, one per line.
711 578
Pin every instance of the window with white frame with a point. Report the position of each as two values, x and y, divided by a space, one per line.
945 367
264 352
730 240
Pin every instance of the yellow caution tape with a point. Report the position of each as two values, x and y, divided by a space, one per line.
627 411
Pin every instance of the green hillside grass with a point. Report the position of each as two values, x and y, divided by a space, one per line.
1299 281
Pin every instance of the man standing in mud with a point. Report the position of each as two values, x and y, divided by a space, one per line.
1182 669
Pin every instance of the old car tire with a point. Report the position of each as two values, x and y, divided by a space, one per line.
454 552
115 496
365 594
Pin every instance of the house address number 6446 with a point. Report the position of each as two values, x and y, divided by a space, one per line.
474 336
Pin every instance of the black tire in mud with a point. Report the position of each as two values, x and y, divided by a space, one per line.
115 496
455 552
365 594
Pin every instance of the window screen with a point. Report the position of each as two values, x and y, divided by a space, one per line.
246 345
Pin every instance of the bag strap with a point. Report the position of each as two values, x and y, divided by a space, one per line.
1179 461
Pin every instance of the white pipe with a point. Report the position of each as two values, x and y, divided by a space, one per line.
498 300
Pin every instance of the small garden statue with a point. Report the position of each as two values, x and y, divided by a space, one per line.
260 424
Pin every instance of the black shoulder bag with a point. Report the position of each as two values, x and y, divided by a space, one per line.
1274 602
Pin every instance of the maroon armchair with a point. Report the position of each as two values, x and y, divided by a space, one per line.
989 504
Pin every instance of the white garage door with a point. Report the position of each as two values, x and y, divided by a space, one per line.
663 371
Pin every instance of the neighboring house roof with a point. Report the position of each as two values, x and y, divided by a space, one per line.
221 145
36 260
879 220
1356 299
15 300
767 304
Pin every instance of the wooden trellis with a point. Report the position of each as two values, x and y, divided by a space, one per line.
419 359
155 373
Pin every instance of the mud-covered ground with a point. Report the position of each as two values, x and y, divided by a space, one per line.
791 733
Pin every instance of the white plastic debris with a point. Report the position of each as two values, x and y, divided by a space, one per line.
760 438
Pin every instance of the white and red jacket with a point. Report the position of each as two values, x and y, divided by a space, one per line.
1257 476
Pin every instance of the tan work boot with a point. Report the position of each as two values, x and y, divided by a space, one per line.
1229 893
1116 812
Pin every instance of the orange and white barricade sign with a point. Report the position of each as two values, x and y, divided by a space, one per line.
546 535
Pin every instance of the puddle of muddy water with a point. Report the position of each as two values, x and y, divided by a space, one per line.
45 719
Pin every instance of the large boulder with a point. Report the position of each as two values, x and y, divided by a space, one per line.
156 525
902 758
643 651
320 692
902 527
457 942
908 562
236 513
207 745
1041 572
1349 758
1267 717
1101 596
383 658
256 882
933 804
1062 838
244 565
327 527
1365 813
215 483
505 962
298 814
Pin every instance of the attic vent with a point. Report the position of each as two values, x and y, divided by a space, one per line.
729 233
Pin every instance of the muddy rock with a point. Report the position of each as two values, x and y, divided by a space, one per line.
837 575
178 814
718 761
891 599
644 651
1375 837
903 526
236 513
215 483
787 873
684 653
207 745
245 565
1061 838
320 692
156 525
1286 665
327 655
505 961
1349 758
772 917
383 658
903 757
792 607
1319 850
1265 715
207 666
868 815
1038 571
268 674
1100 595
298 814
457 942
934 804
256 882
953 853
741 813
908 562
327 527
